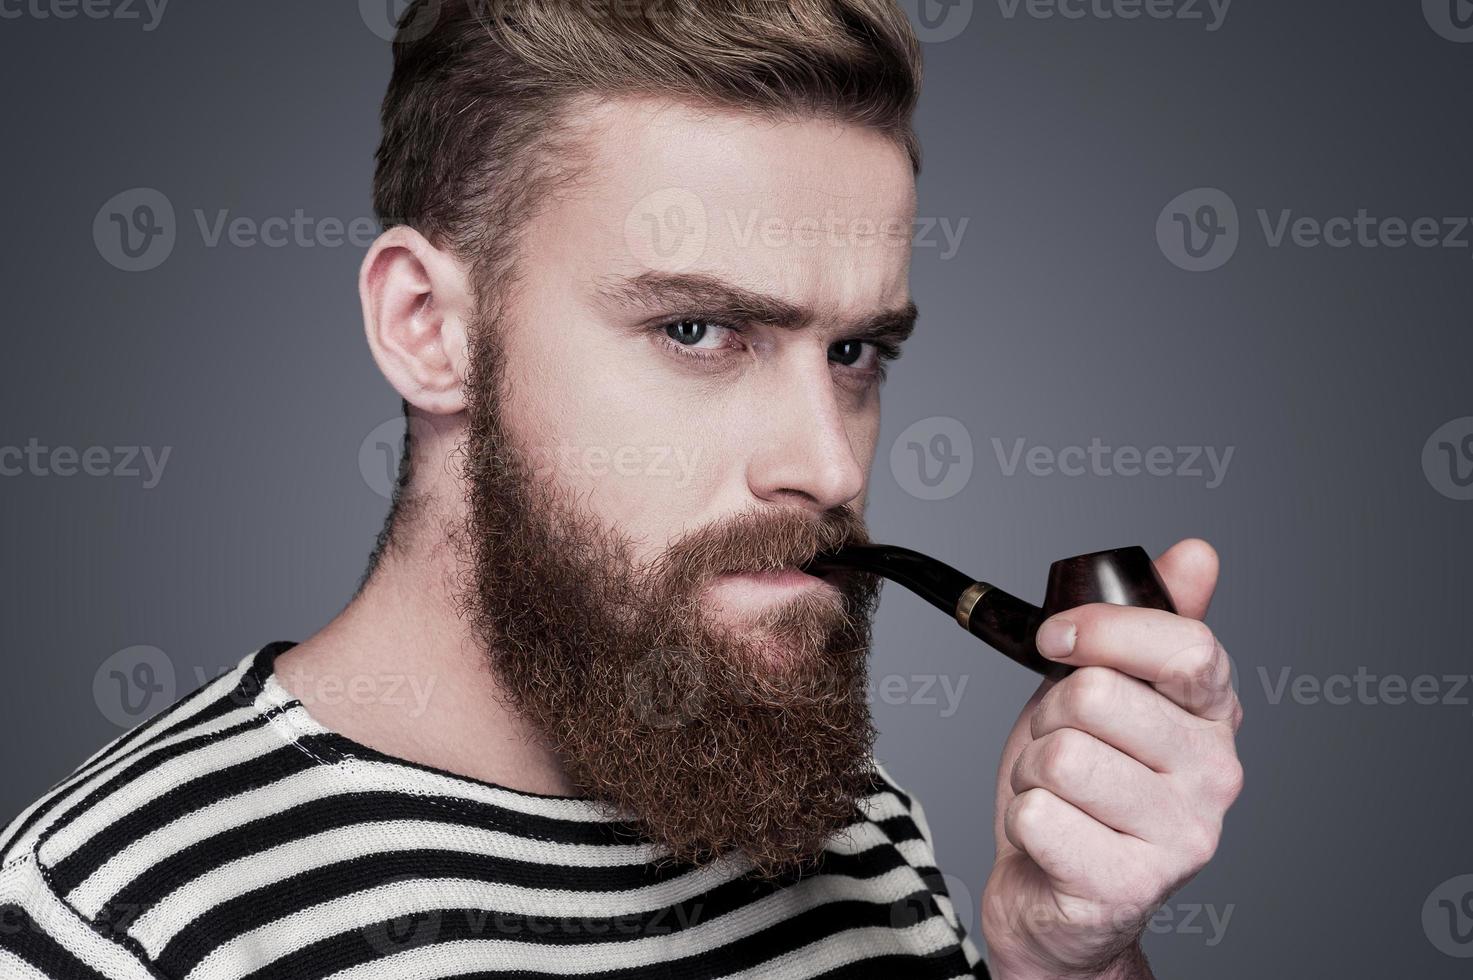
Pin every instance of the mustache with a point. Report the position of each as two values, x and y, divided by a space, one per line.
756 540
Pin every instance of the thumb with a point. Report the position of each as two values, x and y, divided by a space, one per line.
1189 569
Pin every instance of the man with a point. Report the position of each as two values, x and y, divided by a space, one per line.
646 751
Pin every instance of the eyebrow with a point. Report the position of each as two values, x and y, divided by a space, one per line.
700 294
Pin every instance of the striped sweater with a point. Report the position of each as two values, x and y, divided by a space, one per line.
233 836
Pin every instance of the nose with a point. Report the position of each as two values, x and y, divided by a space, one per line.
803 450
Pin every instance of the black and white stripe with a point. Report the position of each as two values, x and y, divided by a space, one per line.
234 837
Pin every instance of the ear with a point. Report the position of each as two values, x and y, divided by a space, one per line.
416 303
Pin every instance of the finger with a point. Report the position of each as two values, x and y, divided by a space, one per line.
1102 781
1180 656
1017 740
1127 713
1078 852
1189 569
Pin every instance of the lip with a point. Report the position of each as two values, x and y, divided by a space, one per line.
790 576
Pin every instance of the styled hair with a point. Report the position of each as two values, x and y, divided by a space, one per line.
476 120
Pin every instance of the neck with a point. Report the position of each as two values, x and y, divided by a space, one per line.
399 671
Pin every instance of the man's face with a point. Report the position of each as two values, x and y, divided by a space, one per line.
680 404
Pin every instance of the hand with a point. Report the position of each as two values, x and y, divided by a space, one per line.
1114 782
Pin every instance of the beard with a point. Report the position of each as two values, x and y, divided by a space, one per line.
754 739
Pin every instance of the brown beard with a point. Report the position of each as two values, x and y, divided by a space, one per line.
713 738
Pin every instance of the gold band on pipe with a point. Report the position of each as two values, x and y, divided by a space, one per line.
968 602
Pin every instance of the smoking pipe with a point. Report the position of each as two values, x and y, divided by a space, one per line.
1123 576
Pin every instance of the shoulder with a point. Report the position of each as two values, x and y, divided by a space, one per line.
60 855
134 776
892 800
907 826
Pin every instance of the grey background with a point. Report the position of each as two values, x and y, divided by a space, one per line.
1058 321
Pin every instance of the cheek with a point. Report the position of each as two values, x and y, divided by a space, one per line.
598 418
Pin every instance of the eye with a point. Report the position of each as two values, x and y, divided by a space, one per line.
698 334
847 352
863 356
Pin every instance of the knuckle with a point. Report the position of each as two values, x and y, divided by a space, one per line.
1060 756
1018 776
1026 814
1048 708
1196 665
1199 844
1092 694
1227 780
1199 634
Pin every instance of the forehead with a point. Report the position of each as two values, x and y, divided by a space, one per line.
817 211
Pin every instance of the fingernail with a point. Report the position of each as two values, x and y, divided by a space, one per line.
1056 638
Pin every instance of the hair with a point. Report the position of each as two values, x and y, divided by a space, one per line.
477 127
